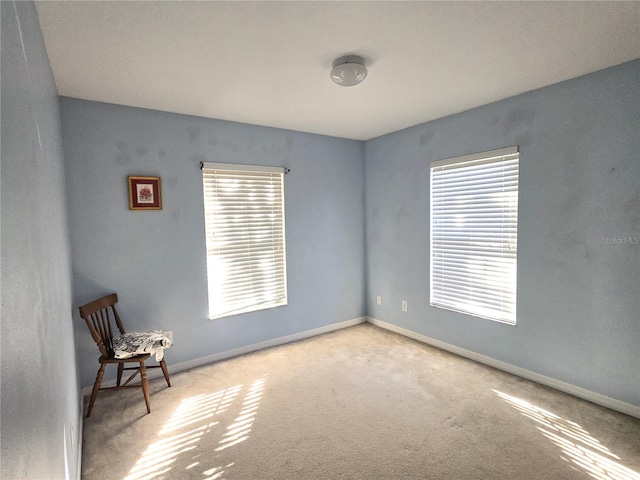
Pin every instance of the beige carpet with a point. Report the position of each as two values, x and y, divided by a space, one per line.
360 403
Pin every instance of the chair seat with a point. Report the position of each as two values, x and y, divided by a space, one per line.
136 358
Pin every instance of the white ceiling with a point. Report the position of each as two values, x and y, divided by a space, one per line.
267 63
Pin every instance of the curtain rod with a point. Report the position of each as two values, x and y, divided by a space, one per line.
286 170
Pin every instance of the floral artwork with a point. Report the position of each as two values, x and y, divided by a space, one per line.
144 193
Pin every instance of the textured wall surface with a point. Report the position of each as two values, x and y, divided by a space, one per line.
578 278
40 397
155 260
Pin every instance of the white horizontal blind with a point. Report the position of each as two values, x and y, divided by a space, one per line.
244 220
474 230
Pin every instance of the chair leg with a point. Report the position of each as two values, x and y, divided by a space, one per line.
145 385
120 369
163 365
96 388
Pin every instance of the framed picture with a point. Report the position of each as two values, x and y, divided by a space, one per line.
145 193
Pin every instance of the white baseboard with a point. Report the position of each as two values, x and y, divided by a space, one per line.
216 357
79 436
579 392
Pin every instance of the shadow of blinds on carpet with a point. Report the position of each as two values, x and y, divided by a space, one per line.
579 449
197 415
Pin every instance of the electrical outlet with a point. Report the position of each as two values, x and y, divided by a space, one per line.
169 335
404 305
379 300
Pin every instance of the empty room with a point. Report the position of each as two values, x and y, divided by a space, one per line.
358 240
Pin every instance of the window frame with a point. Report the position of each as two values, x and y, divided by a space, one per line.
491 277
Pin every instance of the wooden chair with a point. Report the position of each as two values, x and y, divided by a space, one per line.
99 316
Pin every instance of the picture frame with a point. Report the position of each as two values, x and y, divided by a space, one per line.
145 193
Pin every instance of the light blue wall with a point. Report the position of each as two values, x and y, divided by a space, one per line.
40 396
578 295
155 260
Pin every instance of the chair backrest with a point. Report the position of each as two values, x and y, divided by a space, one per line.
99 316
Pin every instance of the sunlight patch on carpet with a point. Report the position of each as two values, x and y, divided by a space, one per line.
194 418
578 446
239 430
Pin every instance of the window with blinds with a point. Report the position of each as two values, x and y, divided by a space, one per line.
474 232
244 221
